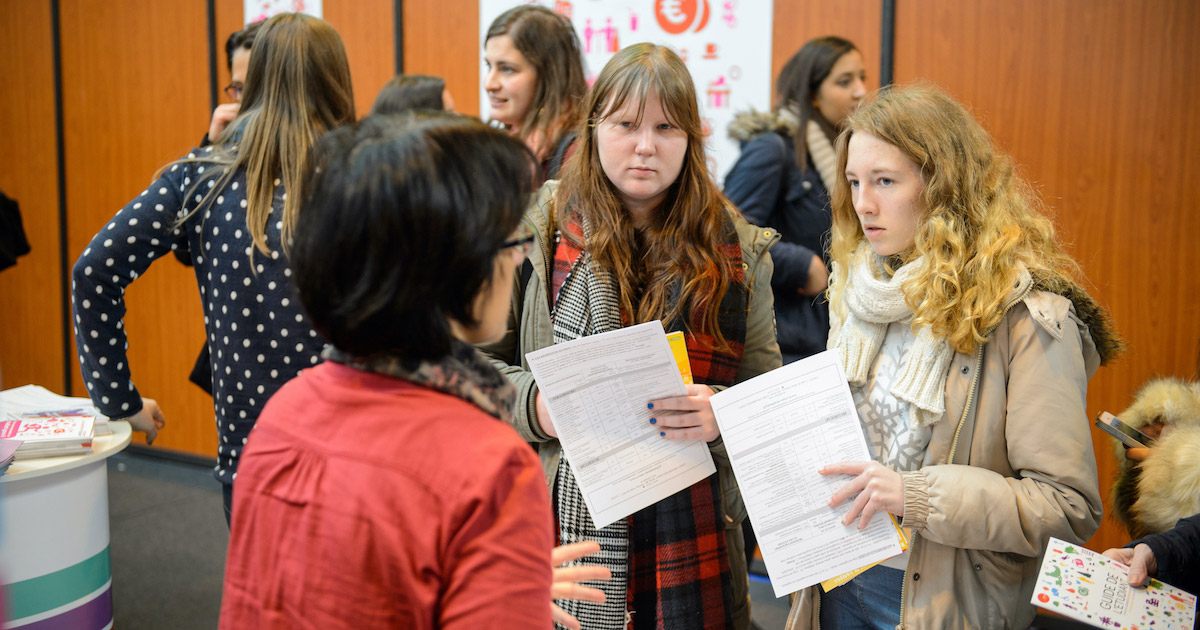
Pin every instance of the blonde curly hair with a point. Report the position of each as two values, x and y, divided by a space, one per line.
979 218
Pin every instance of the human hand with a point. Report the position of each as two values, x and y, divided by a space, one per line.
543 416
697 420
149 420
1137 454
566 579
879 489
818 277
1141 562
222 116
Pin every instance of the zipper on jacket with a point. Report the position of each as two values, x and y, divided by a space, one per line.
975 377
957 431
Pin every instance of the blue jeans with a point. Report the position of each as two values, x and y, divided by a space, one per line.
870 601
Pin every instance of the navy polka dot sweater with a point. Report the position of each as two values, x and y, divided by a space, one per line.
257 332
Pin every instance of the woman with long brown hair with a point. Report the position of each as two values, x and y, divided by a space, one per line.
535 80
636 231
227 205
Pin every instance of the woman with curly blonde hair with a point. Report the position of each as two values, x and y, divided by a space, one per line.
968 344
634 232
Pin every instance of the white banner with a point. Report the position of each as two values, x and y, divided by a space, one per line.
256 10
726 45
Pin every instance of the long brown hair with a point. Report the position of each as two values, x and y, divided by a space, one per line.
549 43
297 87
980 218
683 238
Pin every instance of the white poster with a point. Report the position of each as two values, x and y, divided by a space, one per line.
726 45
256 10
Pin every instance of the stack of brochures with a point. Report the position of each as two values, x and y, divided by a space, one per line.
49 424
8 450
49 435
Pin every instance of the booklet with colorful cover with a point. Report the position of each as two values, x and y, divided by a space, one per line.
45 436
1084 585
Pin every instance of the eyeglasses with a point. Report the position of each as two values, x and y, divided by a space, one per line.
521 243
234 91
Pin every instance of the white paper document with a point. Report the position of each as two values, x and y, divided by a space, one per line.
596 389
779 428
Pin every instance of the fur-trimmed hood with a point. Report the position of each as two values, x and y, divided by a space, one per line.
1149 497
749 125
1108 342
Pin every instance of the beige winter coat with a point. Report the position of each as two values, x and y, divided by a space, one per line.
534 331
1020 469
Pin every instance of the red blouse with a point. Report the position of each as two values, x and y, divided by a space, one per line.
364 501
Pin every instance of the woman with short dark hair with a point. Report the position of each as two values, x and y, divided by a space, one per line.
383 488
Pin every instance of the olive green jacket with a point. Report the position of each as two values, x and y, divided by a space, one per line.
530 329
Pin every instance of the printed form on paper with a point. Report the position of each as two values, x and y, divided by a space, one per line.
596 389
779 428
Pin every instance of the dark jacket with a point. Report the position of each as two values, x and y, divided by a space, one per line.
1177 554
769 188
257 332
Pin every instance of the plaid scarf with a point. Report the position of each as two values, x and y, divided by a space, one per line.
669 561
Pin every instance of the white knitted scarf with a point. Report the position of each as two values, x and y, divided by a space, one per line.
872 303
821 153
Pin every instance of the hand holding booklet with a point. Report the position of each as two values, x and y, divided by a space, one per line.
1082 584
779 429
596 389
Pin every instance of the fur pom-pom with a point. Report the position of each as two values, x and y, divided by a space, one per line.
1148 497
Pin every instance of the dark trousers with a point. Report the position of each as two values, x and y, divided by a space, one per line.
227 496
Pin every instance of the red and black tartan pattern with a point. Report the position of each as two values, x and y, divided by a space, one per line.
679 564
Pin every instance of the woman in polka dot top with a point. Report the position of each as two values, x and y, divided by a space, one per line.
226 205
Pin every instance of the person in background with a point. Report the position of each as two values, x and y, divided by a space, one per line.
634 232
228 205
783 177
535 80
237 60
384 488
1157 491
413 91
1171 556
968 344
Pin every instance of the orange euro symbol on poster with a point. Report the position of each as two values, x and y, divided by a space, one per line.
678 16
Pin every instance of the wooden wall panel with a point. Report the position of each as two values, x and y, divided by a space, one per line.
797 22
369 30
135 84
230 16
442 39
30 327
1094 99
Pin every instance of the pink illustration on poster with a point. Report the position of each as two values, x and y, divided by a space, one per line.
256 10
726 45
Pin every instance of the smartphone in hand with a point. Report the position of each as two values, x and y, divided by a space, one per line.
1128 435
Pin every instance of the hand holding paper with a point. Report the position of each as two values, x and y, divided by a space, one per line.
879 489
692 417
